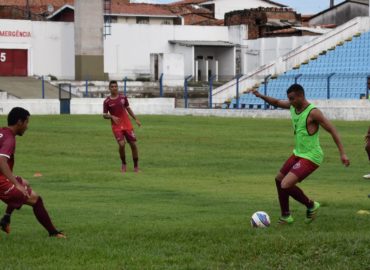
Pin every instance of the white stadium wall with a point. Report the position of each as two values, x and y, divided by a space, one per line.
349 110
50 45
138 105
262 51
86 105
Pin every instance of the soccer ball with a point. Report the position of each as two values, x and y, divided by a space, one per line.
260 219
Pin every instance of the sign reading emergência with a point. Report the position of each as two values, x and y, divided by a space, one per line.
15 33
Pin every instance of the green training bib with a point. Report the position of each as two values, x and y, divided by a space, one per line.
306 146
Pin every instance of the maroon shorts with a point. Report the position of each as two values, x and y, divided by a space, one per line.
301 167
121 135
11 195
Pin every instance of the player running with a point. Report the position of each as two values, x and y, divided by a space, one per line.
307 154
14 190
116 108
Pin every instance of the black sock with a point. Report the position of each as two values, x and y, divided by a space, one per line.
6 218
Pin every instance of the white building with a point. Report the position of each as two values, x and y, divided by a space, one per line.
177 51
30 48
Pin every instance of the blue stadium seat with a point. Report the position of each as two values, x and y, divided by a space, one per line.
350 64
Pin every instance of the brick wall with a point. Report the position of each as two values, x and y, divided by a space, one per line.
259 19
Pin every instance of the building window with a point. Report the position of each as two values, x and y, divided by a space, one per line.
142 20
209 57
199 57
166 22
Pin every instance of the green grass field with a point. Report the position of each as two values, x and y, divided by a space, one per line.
201 180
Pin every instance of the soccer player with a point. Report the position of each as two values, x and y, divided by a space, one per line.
14 190
307 154
116 108
367 148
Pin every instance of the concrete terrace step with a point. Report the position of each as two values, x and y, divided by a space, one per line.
27 88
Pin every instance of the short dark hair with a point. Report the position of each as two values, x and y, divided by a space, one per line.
112 82
16 114
297 88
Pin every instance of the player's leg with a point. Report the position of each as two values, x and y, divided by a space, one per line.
122 155
120 138
131 139
42 215
298 173
283 197
5 220
135 155
289 184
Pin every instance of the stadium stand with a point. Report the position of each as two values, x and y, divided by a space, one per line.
27 88
340 72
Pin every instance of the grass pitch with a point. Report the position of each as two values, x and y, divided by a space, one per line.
201 180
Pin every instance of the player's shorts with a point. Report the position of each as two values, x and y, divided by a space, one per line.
11 195
127 135
301 167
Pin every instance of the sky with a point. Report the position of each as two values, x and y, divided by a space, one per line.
301 6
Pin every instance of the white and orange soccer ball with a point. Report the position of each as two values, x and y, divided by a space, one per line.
260 219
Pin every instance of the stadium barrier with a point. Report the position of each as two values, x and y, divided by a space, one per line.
350 110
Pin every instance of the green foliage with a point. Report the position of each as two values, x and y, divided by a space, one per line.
202 178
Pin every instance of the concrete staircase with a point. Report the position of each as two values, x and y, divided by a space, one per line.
27 88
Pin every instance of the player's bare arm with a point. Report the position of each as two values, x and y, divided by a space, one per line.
319 117
131 113
5 170
109 116
284 104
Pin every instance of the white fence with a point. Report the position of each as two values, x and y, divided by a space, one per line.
87 105
350 110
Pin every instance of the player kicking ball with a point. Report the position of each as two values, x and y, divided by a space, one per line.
14 190
307 154
116 108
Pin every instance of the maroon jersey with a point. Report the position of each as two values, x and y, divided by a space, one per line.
117 107
7 147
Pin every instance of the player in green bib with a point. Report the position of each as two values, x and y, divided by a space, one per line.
307 154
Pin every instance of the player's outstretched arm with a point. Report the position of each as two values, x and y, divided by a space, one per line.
131 113
273 101
319 117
